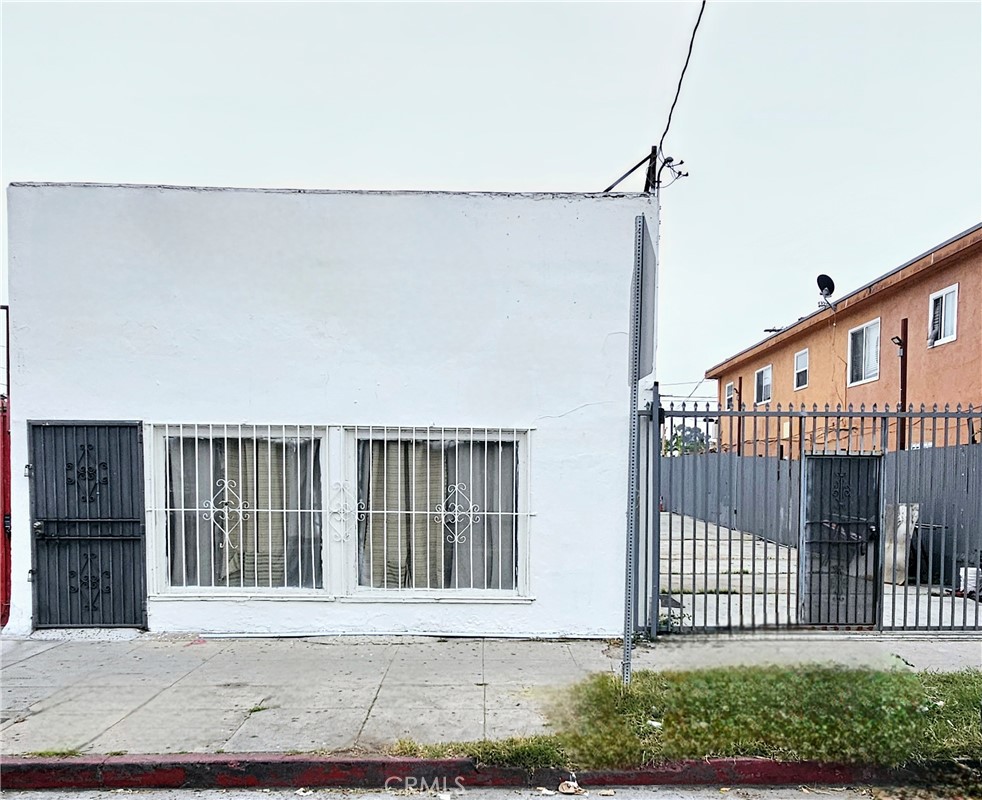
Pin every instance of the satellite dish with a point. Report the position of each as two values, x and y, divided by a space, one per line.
826 285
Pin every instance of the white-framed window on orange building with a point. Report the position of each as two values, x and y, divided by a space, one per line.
728 393
864 353
801 369
942 319
762 385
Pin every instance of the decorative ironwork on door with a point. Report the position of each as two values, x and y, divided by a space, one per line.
839 564
87 474
88 525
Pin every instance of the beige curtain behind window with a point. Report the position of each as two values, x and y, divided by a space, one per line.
483 553
404 540
256 553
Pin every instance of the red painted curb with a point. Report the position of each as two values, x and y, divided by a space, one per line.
263 770
252 770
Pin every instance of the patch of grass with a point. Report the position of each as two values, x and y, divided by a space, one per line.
69 753
807 713
530 753
953 715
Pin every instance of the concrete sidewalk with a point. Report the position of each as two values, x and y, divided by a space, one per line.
171 694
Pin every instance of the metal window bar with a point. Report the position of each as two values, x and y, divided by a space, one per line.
441 508
240 506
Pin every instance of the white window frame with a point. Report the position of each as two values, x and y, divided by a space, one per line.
769 369
863 327
349 531
155 499
729 393
339 528
943 294
794 367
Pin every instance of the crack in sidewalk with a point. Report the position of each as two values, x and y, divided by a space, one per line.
378 689
152 698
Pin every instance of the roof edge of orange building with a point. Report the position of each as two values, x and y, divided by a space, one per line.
957 245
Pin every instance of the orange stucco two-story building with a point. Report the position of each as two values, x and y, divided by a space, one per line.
849 354
912 337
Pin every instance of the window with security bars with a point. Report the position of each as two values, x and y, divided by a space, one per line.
439 509
243 506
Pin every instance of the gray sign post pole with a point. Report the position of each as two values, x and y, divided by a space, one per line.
633 462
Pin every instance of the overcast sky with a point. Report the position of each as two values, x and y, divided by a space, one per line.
821 137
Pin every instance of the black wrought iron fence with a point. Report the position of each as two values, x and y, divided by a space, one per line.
807 517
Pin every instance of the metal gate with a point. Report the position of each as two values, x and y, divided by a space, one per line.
87 518
845 518
840 536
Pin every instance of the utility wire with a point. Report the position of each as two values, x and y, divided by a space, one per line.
678 89
697 387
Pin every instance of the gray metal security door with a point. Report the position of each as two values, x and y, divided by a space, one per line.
839 562
88 525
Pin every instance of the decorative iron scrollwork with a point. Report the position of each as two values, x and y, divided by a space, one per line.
87 474
90 582
841 490
457 513
343 506
227 510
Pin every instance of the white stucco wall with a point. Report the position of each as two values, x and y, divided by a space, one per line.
190 305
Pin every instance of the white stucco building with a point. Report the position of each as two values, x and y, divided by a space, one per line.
288 411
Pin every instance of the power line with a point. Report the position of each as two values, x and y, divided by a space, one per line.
689 396
697 387
678 89
651 158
